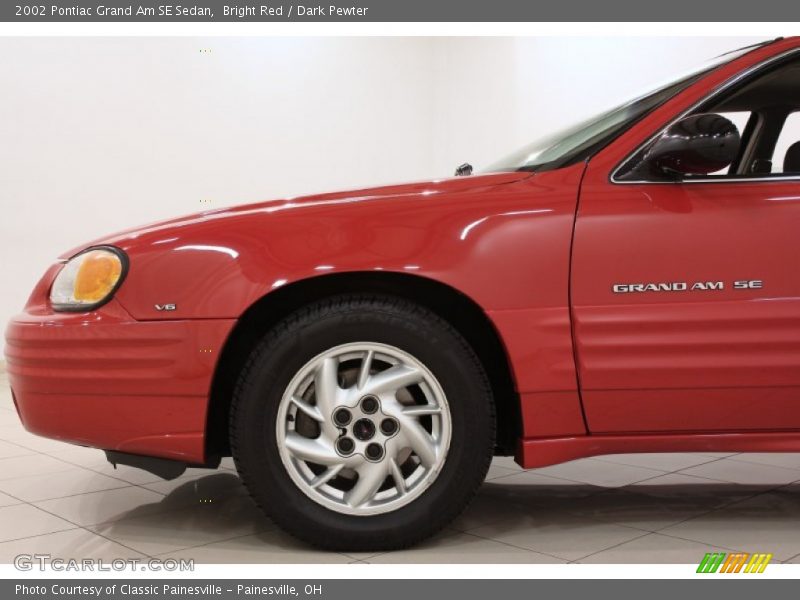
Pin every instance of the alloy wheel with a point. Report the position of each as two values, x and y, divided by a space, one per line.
363 428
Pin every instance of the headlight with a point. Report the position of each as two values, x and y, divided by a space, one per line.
89 279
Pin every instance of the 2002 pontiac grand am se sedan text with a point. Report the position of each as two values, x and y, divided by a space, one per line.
630 285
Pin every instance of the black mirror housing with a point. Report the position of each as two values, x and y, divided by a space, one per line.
695 145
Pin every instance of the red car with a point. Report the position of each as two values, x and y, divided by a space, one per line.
630 285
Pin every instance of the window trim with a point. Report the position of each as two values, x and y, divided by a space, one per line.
726 85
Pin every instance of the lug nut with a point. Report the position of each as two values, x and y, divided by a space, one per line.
389 426
364 429
345 445
374 451
369 404
342 417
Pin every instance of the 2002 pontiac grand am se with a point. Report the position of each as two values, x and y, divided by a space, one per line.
630 285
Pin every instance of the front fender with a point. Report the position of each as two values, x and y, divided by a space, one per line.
506 246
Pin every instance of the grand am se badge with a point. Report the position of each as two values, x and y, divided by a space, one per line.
683 286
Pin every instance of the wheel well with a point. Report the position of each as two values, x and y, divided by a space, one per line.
456 308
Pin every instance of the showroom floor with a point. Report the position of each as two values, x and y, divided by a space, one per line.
68 502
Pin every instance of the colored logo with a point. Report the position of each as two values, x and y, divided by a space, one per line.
737 562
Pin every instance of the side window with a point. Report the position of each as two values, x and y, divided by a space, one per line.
740 119
786 156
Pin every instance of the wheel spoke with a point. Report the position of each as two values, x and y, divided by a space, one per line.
311 450
308 409
393 379
370 478
326 475
326 394
419 440
421 410
366 365
326 386
397 475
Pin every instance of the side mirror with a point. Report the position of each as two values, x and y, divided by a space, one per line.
696 145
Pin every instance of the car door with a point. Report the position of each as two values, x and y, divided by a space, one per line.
686 294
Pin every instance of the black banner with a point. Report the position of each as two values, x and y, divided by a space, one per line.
397 589
399 11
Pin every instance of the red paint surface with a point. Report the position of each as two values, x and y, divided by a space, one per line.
711 372
533 453
103 379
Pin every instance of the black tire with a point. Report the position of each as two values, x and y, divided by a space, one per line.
358 318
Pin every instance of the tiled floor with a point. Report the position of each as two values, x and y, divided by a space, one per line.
68 502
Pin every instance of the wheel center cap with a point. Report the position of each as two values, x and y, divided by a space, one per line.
364 429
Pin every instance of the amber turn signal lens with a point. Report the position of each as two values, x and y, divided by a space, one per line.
87 279
97 276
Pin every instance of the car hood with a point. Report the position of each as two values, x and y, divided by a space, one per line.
334 201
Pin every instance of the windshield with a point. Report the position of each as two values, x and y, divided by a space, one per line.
581 141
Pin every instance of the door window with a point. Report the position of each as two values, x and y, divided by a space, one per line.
786 157
740 119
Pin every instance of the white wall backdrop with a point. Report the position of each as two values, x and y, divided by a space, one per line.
99 134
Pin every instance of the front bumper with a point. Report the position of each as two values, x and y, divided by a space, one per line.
104 380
